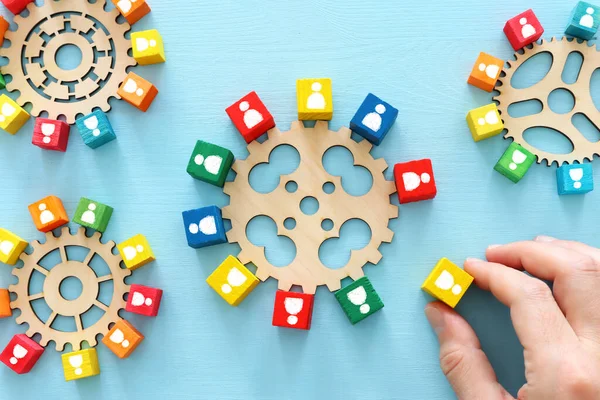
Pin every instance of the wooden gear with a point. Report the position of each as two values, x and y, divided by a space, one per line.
306 270
32 57
583 149
51 289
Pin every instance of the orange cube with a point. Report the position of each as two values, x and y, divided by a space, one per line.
486 72
123 339
132 10
5 310
48 214
137 91
4 25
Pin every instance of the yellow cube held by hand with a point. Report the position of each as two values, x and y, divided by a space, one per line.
447 282
485 122
80 364
136 252
148 47
232 281
12 115
315 99
11 247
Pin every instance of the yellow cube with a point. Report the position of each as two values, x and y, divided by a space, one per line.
12 116
136 252
447 282
80 364
315 99
232 281
11 247
485 122
148 47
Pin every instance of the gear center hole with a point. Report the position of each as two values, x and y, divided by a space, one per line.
561 101
309 205
71 288
69 57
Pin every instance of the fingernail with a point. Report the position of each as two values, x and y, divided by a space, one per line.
472 260
494 246
544 239
435 318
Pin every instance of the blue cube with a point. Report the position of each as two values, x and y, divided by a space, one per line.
374 119
584 21
575 179
204 227
95 129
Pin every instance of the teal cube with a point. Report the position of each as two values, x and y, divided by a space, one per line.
92 214
210 163
584 22
95 129
575 179
359 300
515 162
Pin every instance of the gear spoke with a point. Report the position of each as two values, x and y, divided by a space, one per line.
101 305
88 257
51 319
104 278
78 323
41 269
63 254
34 297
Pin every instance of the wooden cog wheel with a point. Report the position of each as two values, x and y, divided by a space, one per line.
60 306
306 270
583 149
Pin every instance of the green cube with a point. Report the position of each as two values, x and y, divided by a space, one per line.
92 214
210 163
2 82
515 162
359 300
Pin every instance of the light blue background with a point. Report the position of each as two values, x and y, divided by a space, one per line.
415 55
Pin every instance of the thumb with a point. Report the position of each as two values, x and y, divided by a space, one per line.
465 365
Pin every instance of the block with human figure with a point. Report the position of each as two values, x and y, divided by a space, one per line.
575 179
485 122
80 364
2 81
95 129
21 354
48 214
148 47
250 116
204 227
232 281
122 339
4 26
136 252
359 300
486 72
92 214
50 134
415 181
374 119
16 6
5 310
137 91
12 115
210 163
584 21
293 310
144 300
11 247
447 282
515 162
315 99
132 10
523 30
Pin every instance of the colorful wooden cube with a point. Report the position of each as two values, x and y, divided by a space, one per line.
95 129
415 181
138 92
4 25
232 281
136 252
251 117
210 163
50 134
515 162
315 99
359 300
12 115
21 354
144 300
5 310
148 47
374 119
48 214
575 179
132 10
486 72
80 364
11 247
584 22
204 227
447 282
92 214
523 29
123 339
485 122
16 6
2 81
293 310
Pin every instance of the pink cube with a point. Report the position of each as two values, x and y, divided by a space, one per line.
144 300
523 29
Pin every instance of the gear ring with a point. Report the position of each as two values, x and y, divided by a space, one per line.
306 270
560 50
51 293
32 57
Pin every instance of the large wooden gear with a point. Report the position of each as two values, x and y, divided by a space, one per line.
32 57
583 149
306 270
51 289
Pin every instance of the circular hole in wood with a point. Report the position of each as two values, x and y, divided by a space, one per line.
309 205
561 101
327 224
69 57
71 288
289 223
291 187
328 187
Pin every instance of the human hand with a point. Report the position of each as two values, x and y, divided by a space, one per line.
560 333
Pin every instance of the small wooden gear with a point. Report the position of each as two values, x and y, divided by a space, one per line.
38 38
583 149
60 306
306 270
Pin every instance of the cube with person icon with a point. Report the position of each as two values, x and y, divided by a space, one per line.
250 116
5 310
210 163
374 119
136 252
21 354
486 72
515 162
144 300
485 122
16 6
359 300
50 134
4 27
204 227
122 339
92 214
575 179
315 99
415 181
293 310
95 129
523 29
148 47
80 364
447 282
11 247
12 115
132 10
137 91
232 281
48 214
584 22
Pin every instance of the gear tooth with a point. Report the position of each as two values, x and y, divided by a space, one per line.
381 164
243 257
297 125
60 346
391 187
228 188
44 341
65 231
374 257
97 236
93 342
19 320
262 274
393 212
30 332
272 133
322 126
232 238
387 236
225 212
235 166
346 132
334 285
287 286
35 244
357 273
252 147
365 145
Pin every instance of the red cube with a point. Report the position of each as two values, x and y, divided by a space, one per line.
293 310
415 181
523 29
144 300
250 117
16 6
21 354
51 134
